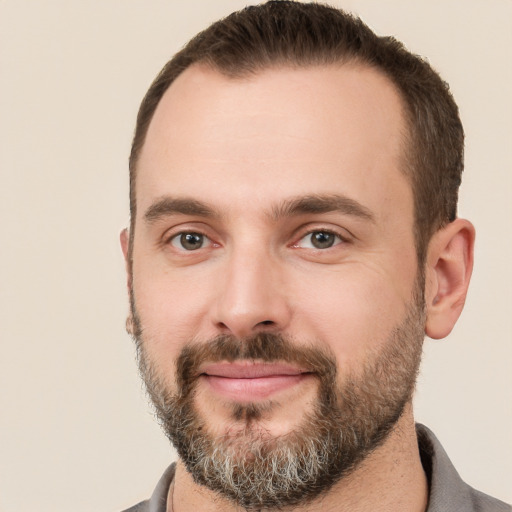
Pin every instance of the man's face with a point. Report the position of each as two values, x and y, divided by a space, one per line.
274 255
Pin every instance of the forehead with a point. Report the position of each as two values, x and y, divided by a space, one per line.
305 130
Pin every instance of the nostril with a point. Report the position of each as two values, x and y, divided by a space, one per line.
267 322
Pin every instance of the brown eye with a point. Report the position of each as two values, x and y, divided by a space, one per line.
319 240
322 239
188 241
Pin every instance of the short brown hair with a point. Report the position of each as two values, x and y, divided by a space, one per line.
287 33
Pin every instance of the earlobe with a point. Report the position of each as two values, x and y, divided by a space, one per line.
129 324
448 271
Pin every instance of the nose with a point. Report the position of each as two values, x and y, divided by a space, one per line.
252 295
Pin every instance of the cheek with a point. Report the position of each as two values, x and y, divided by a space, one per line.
352 312
170 310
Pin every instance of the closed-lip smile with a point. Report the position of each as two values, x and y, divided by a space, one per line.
249 381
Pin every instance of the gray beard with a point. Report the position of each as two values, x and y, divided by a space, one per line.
256 471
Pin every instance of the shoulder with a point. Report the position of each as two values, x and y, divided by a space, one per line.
448 492
484 503
143 506
158 500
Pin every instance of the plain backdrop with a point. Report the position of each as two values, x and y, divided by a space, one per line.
75 430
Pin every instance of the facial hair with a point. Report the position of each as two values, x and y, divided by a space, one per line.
350 419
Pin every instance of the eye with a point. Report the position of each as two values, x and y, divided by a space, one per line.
189 241
319 240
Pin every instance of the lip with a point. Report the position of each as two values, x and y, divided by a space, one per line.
249 382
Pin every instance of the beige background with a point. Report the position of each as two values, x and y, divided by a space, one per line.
76 433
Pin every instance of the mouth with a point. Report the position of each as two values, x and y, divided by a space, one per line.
247 381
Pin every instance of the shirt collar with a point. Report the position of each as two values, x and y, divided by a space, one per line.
447 490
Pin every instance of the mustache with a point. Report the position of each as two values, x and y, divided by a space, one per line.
266 347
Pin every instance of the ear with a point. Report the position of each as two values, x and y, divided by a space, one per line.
448 271
124 238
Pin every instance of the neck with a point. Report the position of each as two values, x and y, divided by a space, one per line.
389 479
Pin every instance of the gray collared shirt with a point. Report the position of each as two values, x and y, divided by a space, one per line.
448 493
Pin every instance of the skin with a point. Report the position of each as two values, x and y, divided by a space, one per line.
246 149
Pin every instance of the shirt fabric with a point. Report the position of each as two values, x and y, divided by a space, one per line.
448 493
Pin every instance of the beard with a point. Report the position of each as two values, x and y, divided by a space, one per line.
351 417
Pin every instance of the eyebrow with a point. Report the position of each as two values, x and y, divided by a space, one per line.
177 206
303 205
322 204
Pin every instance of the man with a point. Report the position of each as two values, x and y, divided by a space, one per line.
293 237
